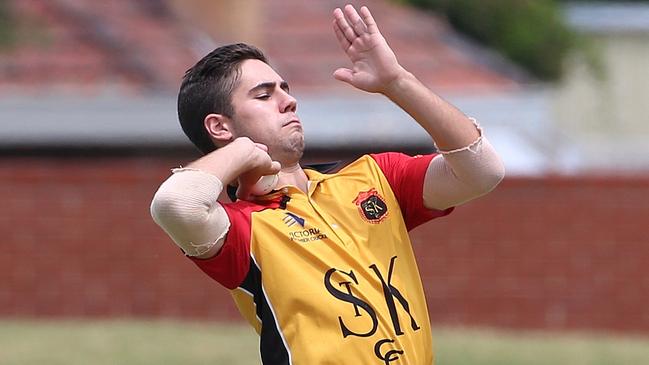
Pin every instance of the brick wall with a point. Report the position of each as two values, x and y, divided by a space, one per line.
77 241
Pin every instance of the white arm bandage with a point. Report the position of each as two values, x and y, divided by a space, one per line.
456 177
185 206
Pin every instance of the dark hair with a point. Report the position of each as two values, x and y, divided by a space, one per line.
207 88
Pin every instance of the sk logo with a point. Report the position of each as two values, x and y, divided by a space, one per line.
371 206
339 284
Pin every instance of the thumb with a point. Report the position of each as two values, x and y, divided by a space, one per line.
344 74
262 147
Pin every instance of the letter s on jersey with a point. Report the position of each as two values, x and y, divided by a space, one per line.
350 298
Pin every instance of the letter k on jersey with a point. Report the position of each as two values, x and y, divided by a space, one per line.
362 307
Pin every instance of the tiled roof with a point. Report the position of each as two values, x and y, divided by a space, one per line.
143 46
89 45
301 44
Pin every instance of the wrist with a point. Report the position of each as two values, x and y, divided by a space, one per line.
399 83
227 162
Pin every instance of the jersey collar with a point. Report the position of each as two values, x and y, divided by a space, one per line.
314 171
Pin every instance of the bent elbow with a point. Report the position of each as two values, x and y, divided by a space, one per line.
165 208
493 176
490 177
162 206
169 208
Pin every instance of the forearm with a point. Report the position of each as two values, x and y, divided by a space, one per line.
226 163
452 178
186 205
448 127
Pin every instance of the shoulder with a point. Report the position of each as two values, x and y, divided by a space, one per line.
241 211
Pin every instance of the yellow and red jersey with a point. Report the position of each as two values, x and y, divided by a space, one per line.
329 277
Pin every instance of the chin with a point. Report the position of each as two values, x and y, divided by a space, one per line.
297 154
297 145
293 153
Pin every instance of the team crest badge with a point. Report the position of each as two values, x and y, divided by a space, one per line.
371 206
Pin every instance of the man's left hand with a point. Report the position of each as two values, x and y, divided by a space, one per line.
375 66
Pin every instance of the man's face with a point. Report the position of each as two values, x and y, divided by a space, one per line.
265 112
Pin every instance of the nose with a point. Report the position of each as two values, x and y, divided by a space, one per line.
288 104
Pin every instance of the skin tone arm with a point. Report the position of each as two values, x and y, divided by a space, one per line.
376 69
242 160
451 179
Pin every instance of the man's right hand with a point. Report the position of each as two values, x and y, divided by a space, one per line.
259 164
242 160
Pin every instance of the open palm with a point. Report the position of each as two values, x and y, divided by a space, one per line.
374 64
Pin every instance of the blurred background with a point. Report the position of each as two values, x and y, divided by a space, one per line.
556 256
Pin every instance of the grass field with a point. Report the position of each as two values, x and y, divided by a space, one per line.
167 343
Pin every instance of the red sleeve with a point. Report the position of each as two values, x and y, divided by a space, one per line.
230 266
406 177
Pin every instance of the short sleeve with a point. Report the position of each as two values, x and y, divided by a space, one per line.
230 266
406 174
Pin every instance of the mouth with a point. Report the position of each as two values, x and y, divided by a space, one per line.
293 122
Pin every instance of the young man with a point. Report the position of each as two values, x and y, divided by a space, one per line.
322 265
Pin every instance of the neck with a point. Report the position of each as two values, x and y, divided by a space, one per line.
293 175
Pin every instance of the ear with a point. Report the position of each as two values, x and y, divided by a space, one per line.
219 128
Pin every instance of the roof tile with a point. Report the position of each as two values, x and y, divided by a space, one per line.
125 43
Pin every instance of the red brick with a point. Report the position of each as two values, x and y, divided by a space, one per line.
536 253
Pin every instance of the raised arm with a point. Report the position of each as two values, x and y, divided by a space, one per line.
375 68
186 207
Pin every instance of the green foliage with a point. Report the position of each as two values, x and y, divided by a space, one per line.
606 1
531 33
7 24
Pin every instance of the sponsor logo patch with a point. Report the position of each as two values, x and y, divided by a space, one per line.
302 233
291 219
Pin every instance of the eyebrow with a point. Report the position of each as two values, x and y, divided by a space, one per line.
269 86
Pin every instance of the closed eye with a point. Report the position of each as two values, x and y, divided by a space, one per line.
267 88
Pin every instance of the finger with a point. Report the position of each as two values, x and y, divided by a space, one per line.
344 43
275 168
347 31
261 146
244 191
369 20
355 20
344 75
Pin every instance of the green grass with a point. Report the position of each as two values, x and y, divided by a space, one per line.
480 347
125 342
162 343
